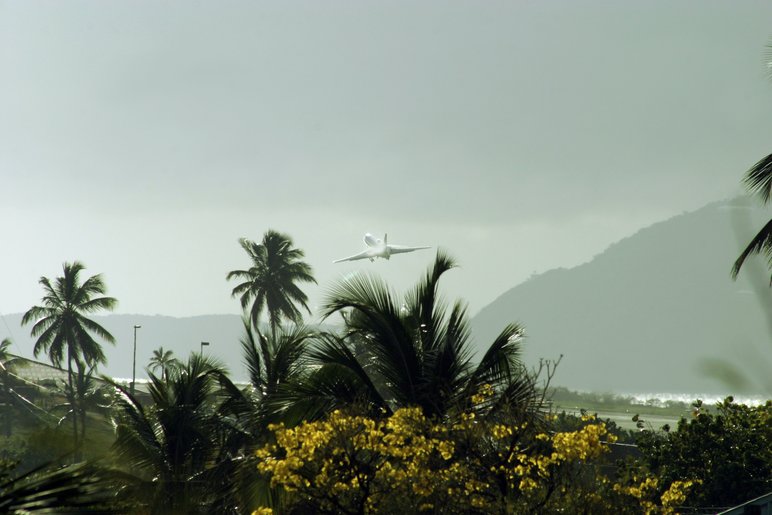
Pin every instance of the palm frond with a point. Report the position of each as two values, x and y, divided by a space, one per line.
762 242
425 295
87 347
381 323
758 179
136 441
501 360
252 355
98 304
448 363
328 388
332 350
78 488
518 398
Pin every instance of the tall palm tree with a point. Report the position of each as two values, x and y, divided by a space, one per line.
61 325
270 284
420 351
164 360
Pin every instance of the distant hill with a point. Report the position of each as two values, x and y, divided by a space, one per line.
655 312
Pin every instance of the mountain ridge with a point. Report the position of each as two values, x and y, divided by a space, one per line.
663 291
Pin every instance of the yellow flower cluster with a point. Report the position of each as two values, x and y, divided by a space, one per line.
640 490
344 455
527 470
587 443
645 492
676 494
483 394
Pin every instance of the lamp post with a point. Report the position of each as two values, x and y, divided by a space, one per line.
202 347
134 366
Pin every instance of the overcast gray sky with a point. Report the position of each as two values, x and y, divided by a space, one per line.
145 138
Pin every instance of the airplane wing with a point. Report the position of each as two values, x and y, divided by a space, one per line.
362 255
399 249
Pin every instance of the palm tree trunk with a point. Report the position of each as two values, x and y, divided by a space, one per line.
73 404
81 392
7 397
82 425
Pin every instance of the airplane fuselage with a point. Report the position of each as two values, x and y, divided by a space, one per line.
377 248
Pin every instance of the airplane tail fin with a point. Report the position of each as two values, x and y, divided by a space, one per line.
385 239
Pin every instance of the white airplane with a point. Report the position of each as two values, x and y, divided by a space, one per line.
377 248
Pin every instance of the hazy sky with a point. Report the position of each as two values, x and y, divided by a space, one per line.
145 138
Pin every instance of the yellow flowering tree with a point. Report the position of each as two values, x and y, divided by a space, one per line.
409 463
355 464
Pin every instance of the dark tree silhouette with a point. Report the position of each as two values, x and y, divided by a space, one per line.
62 327
172 444
163 360
417 353
270 284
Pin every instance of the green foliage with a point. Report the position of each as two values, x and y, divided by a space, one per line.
563 421
171 447
12 451
411 351
45 445
728 450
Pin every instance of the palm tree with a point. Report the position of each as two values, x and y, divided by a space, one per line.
163 360
420 354
271 282
90 394
273 364
61 325
174 444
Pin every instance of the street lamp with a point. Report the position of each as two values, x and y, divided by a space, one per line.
134 366
202 346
